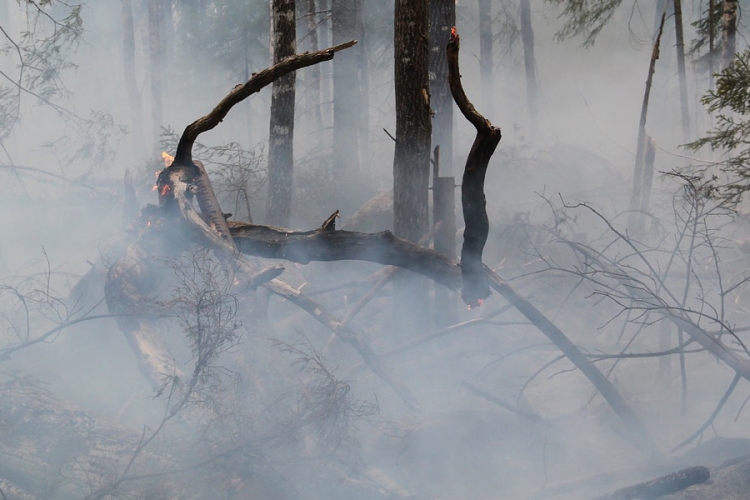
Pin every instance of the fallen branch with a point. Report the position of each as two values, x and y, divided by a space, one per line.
661 486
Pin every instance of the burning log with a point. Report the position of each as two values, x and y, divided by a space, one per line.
477 225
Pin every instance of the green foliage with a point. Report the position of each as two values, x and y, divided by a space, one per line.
702 29
731 134
585 17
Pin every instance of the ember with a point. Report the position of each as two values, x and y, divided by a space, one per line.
165 190
454 35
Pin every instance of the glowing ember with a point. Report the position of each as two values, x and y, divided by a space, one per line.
168 159
478 303
165 190
454 34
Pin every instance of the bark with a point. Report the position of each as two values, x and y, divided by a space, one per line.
486 62
281 136
527 38
681 70
134 95
442 18
635 200
729 32
711 41
155 67
346 90
411 158
475 288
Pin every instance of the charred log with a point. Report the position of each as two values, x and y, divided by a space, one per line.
477 225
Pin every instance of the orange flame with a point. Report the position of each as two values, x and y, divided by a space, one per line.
168 159
165 190
454 34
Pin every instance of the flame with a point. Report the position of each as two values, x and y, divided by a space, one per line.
165 190
168 158
454 34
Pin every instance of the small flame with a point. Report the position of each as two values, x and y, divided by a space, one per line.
454 34
165 190
168 159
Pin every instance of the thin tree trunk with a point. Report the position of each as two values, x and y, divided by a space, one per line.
442 18
444 212
313 90
681 70
134 95
346 90
711 42
729 25
326 70
635 200
281 137
527 37
364 82
486 64
155 68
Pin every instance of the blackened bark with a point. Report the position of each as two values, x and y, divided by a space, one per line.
729 26
442 18
346 90
477 225
681 70
529 61
155 66
134 95
281 137
411 158
486 64
661 486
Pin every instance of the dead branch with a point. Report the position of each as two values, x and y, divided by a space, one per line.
184 155
477 225
332 245
661 486
636 429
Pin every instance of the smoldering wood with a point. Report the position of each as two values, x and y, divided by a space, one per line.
477 225
661 486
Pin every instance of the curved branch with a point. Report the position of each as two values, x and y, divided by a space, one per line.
184 155
477 225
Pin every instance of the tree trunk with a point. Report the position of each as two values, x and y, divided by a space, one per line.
346 90
281 137
729 25
411 159
527 37
638 181
442 18
364 83
134 95
155 67
486 63
313 89
681 70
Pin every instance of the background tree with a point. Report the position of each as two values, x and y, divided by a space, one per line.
281 139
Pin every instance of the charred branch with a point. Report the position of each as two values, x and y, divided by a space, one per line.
473 201
661 486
